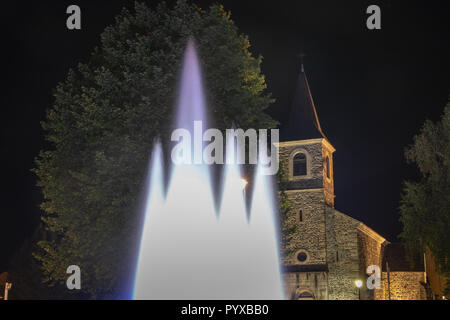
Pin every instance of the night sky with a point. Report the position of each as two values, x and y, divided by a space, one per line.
373 89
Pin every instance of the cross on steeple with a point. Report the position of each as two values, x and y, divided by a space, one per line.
301 55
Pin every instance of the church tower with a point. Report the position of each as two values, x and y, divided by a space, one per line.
329 251
305 137
306 156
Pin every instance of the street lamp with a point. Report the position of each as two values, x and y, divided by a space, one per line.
358 284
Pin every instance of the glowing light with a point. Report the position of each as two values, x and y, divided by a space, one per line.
244 183
358 283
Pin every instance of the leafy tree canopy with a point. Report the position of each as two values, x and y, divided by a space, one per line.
425 205
104 119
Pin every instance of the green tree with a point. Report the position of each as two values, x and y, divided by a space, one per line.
104 119
25 274
425 205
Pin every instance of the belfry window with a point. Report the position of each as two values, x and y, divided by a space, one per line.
299 165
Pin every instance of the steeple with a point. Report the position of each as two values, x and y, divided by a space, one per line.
303 121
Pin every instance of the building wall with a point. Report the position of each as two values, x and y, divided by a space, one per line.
403 286
306 194
328 178
313 150
310 235
342 256
313 282
370 247
332 240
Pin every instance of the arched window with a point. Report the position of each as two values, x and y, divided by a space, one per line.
300 216
299 165
327 166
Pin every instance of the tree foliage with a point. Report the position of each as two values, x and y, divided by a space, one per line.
104 119
26 273
425 205
287 229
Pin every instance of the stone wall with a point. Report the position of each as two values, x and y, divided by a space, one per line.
306 193
314 282
342 255
370 247
328 178
313 150
404 285
332 240
339 248
310 235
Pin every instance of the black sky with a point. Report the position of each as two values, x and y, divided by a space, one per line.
372 89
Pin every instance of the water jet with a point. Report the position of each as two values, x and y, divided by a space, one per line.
190 251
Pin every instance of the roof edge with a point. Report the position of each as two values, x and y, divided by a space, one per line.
371 233
290 143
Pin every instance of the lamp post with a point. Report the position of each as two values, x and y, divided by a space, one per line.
358 284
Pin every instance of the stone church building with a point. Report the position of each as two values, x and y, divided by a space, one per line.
330 250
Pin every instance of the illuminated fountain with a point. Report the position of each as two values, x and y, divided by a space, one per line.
187 250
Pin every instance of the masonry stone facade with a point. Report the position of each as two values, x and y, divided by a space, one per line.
403 285
330 250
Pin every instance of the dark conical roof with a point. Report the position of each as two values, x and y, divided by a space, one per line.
303 122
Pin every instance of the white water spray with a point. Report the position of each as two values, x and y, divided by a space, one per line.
187 251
